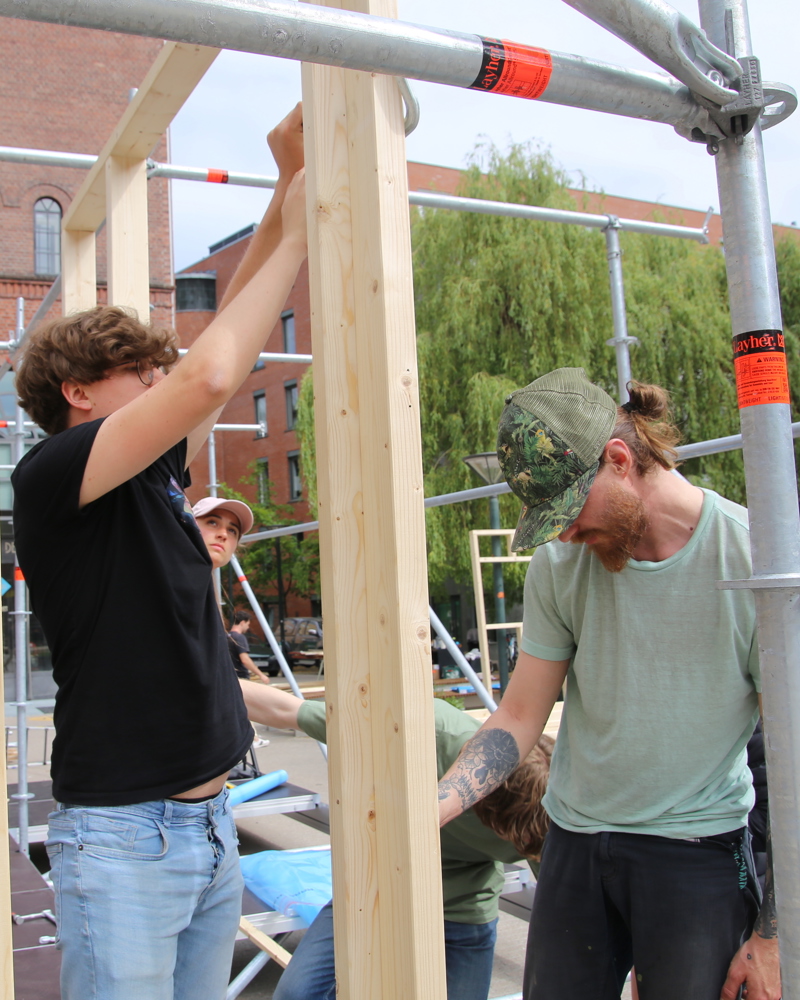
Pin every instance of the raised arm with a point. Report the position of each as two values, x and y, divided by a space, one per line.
189 399
286 143
505 739
270 706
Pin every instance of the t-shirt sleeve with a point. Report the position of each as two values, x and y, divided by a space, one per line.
311 719
48 480
544 632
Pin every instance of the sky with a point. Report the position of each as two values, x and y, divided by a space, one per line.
225 121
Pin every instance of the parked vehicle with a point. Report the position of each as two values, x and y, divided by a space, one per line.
300 636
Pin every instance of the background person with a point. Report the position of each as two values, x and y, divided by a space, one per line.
142 841
222 523
647 860
505 827
242 663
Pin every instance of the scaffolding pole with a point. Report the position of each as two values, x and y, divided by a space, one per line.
763 390
21 645
333 37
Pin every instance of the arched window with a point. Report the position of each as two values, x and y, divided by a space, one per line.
47 237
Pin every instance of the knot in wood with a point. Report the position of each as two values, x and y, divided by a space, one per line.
422 633
406 381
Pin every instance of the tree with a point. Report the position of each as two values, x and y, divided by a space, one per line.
500 301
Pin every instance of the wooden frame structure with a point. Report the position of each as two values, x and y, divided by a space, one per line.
115 189
478 561
384 833
382 777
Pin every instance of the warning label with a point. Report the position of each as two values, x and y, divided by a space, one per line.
759 360
510 68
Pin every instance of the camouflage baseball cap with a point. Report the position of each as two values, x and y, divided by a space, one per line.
549 442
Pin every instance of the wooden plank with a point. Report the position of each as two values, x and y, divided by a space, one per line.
480 606
128 248
386 869
78 271
171 79
265 943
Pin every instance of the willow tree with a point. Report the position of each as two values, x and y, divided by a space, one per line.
501 301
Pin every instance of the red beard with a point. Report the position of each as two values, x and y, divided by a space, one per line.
625 521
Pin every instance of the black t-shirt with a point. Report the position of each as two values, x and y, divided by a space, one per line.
238 644
147 705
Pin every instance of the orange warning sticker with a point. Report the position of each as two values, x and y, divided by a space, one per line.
759 361
511 68
18 573
217 176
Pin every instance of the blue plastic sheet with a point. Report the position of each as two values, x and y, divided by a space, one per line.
295 883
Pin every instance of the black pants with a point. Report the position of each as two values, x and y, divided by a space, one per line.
678 910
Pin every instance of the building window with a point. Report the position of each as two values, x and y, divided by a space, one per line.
289 345
47 237
295 483
260 408
196 292
262 481
290 388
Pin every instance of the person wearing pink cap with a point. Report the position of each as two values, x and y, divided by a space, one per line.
222 523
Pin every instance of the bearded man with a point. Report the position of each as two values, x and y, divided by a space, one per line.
648 860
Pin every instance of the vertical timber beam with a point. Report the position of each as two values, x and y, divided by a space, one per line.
78 271
128 248
387 876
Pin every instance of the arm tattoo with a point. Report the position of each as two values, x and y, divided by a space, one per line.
484 763
766 925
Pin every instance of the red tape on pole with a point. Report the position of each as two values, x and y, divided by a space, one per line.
217 176
511 68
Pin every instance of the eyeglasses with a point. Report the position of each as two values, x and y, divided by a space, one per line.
145 372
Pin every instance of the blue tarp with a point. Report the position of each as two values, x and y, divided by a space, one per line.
295 883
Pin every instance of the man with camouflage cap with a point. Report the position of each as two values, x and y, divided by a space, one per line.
648 860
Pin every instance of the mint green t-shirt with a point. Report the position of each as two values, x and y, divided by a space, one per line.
472 855
662 684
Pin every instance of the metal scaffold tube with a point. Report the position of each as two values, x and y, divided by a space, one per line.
351 40
21 639
763 390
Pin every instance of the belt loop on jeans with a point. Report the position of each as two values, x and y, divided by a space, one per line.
169 808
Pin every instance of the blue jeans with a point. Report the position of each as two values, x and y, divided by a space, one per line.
469 950
148 899
675 909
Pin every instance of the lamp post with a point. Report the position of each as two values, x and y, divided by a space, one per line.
487 466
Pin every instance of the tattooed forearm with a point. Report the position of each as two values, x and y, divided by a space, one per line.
484 763
766 925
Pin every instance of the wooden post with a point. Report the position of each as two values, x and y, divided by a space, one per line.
128 249
116 186
78 271
382 775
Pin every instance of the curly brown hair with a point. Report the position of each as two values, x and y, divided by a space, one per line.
514 809
644 425
82 348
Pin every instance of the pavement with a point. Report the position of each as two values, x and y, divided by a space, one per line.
301 757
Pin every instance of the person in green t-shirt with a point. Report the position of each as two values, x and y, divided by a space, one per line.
504 827
647 860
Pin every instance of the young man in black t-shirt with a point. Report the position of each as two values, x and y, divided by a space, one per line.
148 722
